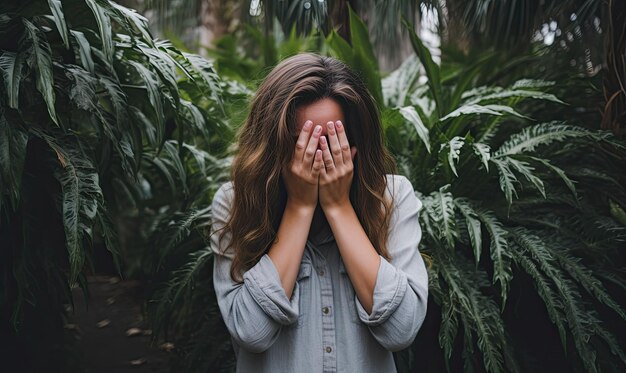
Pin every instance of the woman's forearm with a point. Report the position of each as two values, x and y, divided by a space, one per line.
286 252
359 255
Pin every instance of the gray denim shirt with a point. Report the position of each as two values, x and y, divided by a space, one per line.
324 327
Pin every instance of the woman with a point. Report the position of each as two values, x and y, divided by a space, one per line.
317 266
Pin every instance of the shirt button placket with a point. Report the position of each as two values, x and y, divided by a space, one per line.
328 323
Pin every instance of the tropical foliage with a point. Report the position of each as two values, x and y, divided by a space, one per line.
99 124
516 221
113 140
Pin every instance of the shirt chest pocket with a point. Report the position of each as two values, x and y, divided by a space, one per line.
306 294
348 294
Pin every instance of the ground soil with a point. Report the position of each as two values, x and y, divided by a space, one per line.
102 329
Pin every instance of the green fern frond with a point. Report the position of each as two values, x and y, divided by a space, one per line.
483 151
577 316
498 94
175 228
478 312
40 60
80 195
473 226
104 26
452 150
82 49
439 206
13 142
587 280
569 182
532 83
526 170
498 250
552 301
543 134
151 84
475 109
12 69
507 179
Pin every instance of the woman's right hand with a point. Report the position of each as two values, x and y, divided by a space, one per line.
302 174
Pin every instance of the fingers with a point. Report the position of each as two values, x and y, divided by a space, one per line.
343 142
311 148
329 164
318 165
303 140
335 146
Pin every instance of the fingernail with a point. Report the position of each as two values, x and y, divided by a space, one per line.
307 124
323 139
339 124
318 128
330 125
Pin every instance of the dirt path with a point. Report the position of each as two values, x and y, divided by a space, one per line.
103 328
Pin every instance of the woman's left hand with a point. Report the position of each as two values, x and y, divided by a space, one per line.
336 175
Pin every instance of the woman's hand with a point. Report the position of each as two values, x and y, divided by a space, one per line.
336 175
302 176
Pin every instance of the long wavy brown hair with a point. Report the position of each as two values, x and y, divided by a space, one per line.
266 143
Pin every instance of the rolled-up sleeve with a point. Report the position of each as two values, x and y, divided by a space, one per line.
401 289
254 311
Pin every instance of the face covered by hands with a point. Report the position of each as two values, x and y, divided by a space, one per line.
335 177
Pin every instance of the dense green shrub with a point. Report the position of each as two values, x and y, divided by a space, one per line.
98 122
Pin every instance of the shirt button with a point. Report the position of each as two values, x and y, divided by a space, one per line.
321 272
329 349
325 310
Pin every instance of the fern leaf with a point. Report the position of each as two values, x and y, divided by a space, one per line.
577 317
526 170
507 179
83 50
13 141
491 109
171 152
41 62
439 206
532 83
473 226
193 116
178 227
104 26
116 95
587 280
452 149
81 194
559 172
551 300
483 152
134 22
478 312
543 134
12 68
499 251
204 74
502 94
59 20
154 96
